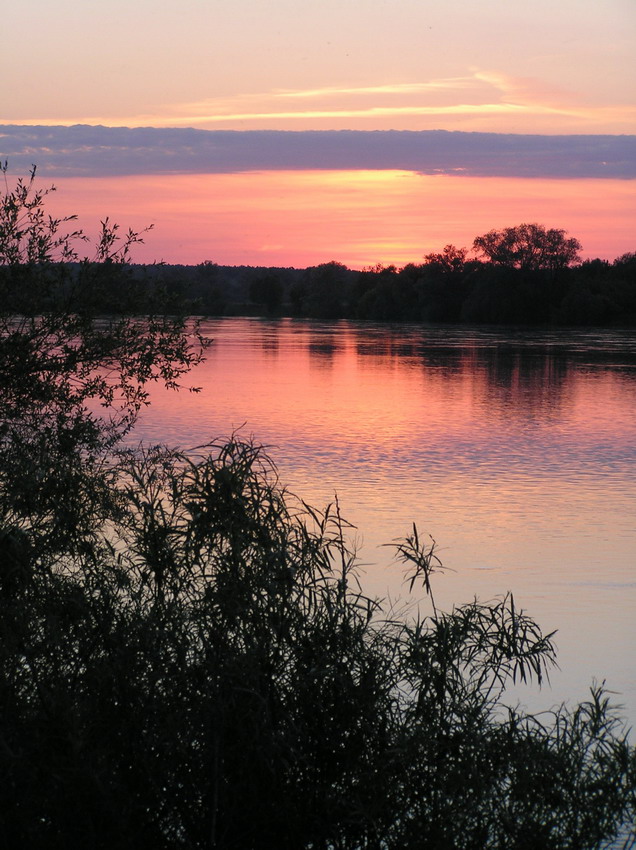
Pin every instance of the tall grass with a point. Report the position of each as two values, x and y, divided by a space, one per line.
202 670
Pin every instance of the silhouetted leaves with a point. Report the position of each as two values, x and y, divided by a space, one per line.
203 670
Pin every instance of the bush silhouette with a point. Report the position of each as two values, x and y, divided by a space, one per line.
205 671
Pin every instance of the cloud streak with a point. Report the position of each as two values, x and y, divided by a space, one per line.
483 101
388 89
96 151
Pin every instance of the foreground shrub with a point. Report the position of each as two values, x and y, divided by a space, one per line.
202 670
74 372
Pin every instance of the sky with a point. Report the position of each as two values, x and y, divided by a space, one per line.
363 131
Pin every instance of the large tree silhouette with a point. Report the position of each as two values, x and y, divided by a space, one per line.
529 246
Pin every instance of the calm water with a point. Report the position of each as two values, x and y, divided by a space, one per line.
516 451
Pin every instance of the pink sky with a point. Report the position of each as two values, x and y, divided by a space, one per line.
355 217
489 66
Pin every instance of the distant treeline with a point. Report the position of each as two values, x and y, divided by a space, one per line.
595 292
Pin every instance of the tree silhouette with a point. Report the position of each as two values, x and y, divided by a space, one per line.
529 247
451 259
267 290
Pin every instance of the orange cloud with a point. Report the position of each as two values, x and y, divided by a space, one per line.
484 100
391 89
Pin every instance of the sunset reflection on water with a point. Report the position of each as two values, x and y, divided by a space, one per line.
515 451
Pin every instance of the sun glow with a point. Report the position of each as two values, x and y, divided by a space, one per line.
360 218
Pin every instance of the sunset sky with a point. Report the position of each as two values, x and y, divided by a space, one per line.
538 101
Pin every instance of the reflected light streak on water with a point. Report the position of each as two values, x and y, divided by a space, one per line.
515 451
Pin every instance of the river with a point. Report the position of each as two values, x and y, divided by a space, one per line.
514 449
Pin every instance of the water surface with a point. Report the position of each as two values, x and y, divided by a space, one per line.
515 450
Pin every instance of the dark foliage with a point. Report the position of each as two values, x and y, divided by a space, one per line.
267 292
530 247
526 275
595 293
72 377
202 670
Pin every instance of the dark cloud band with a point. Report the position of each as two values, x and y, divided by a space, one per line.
96 151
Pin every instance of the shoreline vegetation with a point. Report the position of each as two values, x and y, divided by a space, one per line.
187 659
196 666
595 293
